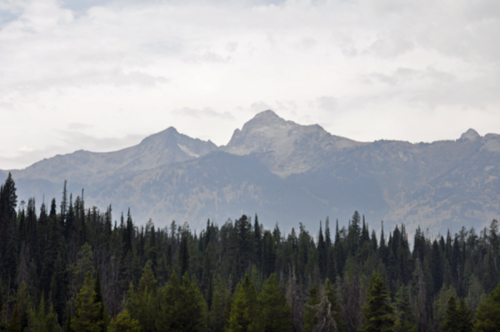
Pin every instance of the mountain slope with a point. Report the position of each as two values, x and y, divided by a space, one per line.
86 167
287 173
283 146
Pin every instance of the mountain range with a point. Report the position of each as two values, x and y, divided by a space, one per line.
287 174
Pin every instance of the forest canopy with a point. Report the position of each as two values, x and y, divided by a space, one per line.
74 268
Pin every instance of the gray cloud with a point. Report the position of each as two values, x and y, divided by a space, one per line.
69 139
327 103
202 113
124 66
404 75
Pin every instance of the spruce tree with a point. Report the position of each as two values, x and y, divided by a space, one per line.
464 315
322 253
181 307
275 313
243 317
405 319
377 313
87 311
124 323
336 309
488 313
310 319
451 321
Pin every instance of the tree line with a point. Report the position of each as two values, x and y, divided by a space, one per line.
70 267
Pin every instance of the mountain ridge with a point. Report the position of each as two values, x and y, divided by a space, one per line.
285 172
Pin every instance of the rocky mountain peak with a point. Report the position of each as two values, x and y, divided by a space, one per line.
285 146
266 120
470 135
165 135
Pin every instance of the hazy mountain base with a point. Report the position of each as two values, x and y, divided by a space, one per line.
288 173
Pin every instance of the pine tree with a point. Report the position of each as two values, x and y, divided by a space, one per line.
243 315
99 301
336 309
322 254
184 254
451 321
221 307
87 311
182 307
464 315
257 242
124 323
59 286
488 313
275 313
377 313
310 319
405 319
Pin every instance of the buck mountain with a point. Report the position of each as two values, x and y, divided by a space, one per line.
286 173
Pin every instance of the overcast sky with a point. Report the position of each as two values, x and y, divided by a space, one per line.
101 75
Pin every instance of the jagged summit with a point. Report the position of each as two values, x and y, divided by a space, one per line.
289 148
168 133
172 176
470 135
267 120
267 115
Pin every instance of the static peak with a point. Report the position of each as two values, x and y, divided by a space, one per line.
470 135
267 116
267 113
171 130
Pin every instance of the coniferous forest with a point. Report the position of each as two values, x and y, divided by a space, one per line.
70 267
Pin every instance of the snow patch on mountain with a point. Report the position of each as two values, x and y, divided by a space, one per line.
187 151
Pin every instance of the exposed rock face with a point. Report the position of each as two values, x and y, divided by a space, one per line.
86 167
286 173
283 146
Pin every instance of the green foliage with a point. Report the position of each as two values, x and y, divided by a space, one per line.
440 305
221 307
124 323
275 313
182 307
405 319
310 319
88 317
336 308
451 321
40 321
464 315
143 304
48 257
377 313
488 313
244 311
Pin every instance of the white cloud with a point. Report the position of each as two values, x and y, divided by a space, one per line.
134 68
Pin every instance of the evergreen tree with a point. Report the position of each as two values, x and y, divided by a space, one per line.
87 311
221 307
184 254
336 309
322 253
488 313
244 312
124 323
451 321
405 319
102 314
275 313
377 313
310 319
182 307
464 315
